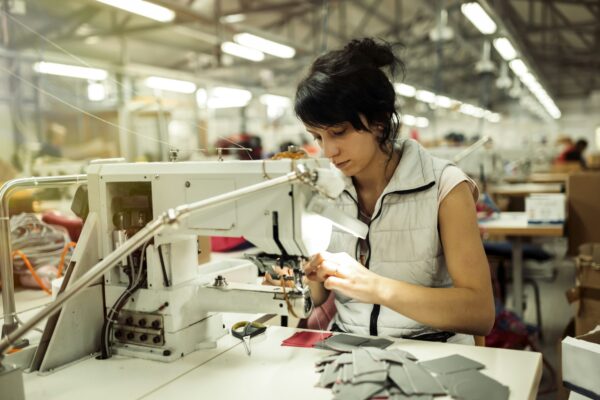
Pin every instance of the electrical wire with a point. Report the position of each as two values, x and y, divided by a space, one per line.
38 280
132 287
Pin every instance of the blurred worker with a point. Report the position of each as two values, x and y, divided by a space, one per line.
421 272
575 153
55 140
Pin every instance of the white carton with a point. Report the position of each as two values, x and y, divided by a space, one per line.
545 208
581 364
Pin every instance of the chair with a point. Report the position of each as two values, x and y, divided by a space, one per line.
502 251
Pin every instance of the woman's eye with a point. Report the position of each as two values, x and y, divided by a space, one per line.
339 133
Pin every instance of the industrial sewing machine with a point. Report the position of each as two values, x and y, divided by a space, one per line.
147 297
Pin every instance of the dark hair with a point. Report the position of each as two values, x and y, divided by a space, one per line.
342 84
581 144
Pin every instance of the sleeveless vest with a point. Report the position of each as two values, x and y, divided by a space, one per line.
403 241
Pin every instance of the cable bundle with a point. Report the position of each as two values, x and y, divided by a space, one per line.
37 246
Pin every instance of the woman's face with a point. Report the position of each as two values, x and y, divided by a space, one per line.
349 149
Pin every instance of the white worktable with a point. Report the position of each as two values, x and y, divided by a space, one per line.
272 372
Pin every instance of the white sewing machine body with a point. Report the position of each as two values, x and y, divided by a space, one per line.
176 310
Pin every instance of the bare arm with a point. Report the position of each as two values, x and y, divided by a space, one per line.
467 307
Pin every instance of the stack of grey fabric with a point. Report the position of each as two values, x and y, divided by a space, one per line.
369 372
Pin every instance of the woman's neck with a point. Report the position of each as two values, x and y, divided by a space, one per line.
376 176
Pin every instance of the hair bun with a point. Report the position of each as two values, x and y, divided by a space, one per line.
367 51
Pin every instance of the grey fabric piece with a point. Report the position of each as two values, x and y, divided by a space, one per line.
344 358
399 377
380 343
346 343
374 376
327 359
400 396
394 356
328 376
451 364
361 391
363 363
348 372
421 379
473 384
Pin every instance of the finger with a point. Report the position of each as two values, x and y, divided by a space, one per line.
267 280
315 259
336 283
330 268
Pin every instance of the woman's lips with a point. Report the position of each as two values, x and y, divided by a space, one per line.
342 164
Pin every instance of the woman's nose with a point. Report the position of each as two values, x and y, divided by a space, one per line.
330 149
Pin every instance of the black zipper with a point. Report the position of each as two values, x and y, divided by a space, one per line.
377 307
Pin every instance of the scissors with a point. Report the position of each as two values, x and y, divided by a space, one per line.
244 330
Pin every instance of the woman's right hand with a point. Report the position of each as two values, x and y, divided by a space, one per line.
312 268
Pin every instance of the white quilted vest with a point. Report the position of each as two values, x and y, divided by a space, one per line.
403 239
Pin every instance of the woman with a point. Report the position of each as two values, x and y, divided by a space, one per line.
422 271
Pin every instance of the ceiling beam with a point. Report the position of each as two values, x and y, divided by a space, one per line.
55 29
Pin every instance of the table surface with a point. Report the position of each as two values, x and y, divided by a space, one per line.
272 372
524 189
515 224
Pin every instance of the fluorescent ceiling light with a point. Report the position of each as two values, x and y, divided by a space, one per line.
422 122
215 103
242 51
227 92
472 110
425 96
226 97
493 117
405 90
275 101
518 67
233 18
143 8
409 120
264 45
72 71
443 101
96 91
201 97
172 85
505 48
479 18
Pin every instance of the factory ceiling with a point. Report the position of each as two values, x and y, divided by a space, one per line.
560 40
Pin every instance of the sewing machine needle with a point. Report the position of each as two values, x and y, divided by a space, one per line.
246 341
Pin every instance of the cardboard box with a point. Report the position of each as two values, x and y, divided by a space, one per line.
587 292
580 364
545 208
583 224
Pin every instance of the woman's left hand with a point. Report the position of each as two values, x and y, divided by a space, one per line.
350 278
